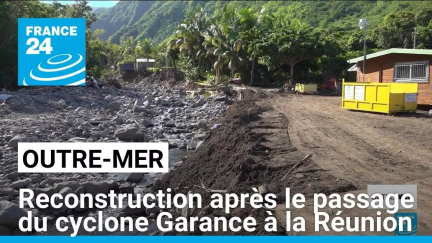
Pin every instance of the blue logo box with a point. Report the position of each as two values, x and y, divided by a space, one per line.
405 231
51 51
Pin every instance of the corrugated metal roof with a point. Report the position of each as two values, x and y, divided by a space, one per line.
393 51
145 60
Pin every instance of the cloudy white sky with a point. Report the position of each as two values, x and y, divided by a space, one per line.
105 4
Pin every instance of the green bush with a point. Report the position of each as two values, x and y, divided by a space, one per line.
224 78
111 78
154 69
211 79
192 75
95 71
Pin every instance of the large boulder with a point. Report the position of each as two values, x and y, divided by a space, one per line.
138 102
61 103
114 106
139 108
118 120
80 190
105 133
4 231
10 214
134 177
148 98
66 191
12 175
201 101
112 185
202 124
95 188
71 184
170 124
20 184
77 140
220 98
13 143
154 210
129 132
47 190
8 192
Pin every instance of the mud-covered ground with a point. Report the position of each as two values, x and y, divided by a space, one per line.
251 149
364 148
262 137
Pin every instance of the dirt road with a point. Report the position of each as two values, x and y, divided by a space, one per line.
264 136
363 148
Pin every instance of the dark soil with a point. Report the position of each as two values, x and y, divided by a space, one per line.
251 148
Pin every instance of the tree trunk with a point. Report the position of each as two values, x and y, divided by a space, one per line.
291 80
199 64
217 75
252 72
175 70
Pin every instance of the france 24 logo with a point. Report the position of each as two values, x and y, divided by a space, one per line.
405 230
51 51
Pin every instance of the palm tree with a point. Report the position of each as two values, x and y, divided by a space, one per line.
255 35
224 41
128 49
190 36
144 48
172 53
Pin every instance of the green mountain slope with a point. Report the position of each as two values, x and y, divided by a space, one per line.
124 13
158 22
98 10
157 19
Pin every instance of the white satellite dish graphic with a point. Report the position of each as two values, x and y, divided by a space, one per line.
55 71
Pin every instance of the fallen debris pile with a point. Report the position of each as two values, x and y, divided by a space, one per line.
251 149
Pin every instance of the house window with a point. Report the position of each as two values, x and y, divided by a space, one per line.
411 72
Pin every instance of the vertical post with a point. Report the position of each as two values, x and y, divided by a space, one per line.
415 37
364 55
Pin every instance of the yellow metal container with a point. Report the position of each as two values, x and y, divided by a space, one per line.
388 98
306 88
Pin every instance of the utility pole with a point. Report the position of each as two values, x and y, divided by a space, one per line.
364 55
415 37
363 25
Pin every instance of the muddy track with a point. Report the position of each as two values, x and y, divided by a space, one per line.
363 148
251 148
366 148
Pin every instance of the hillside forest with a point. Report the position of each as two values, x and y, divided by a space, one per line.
267 44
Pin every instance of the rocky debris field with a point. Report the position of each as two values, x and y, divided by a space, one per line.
139 112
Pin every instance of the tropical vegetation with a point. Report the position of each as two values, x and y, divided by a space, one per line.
267 43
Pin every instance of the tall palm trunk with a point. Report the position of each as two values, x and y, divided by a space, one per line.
291 80
252 72
175 70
